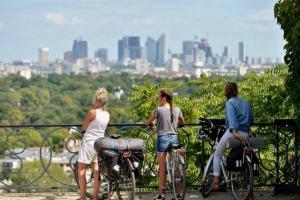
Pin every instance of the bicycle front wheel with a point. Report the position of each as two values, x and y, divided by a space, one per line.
242 182
179 178
126 184
207 179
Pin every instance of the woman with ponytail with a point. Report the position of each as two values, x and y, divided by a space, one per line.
168 119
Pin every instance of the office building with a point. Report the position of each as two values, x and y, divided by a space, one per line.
68 56
43 57
162 51
80 49
204 45
102 54
129 47
226 52
187 47
151 50
241 52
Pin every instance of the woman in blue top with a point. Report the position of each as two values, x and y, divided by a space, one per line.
168 118
239 118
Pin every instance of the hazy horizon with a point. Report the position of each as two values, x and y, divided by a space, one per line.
28 25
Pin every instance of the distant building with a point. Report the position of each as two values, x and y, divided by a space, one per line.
151 50
80 49
129 47
204 45
187 47
174 65
162 51
43 57
247 60
253 61
259 61
226 52
68 56
102 54
241 52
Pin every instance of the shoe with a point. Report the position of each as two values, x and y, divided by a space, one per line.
159 197
178 196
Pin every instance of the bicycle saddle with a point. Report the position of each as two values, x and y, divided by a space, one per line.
174 146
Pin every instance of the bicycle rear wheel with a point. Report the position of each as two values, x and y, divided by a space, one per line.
179 178
207 179
126 184
242 182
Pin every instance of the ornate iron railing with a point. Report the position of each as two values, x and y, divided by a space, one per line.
43 156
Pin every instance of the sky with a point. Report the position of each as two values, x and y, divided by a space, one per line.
26 25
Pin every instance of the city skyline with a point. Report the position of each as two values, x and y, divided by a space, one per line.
55 24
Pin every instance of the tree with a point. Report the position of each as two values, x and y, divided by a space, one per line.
287 13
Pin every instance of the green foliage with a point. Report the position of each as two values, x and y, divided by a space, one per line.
266 93
32 170
287 13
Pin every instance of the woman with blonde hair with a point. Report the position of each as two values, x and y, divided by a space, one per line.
93 127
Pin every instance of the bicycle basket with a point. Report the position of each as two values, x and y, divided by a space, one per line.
234 161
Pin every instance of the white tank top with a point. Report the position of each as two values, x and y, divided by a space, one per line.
97 127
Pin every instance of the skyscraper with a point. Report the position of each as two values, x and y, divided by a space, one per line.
204 45
225 52
187 47
68 56
80 49
44 57
241 52
151 50
162 51
102 54
129 47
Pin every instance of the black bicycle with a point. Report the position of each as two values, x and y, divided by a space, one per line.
119 169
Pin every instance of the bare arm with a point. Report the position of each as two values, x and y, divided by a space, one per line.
237 136
181 121
89 117
150 120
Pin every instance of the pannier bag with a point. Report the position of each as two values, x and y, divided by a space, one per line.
120 144
234 161
255 164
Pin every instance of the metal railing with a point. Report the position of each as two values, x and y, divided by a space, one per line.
42 157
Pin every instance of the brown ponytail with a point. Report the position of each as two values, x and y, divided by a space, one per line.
169 97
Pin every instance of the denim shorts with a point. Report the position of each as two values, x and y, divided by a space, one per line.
163 142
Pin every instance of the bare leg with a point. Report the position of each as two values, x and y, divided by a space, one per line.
97 180
216 183
162 172
82 180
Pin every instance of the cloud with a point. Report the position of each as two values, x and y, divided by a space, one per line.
143 21
264 15
61 19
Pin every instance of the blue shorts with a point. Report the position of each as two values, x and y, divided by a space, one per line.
163 142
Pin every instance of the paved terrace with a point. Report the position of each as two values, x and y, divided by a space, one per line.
146 196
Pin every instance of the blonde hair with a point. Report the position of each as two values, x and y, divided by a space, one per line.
101 96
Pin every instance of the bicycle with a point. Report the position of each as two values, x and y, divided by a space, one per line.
175 165
240 177
175 161
118 170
